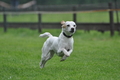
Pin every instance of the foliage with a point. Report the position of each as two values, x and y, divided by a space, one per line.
95 57
58 2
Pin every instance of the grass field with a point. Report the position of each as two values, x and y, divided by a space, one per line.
99 17
96 56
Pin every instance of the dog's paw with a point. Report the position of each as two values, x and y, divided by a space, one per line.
62 60
66 53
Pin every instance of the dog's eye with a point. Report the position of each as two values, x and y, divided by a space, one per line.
74 25
68 25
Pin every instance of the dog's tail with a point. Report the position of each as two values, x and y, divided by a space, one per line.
46 34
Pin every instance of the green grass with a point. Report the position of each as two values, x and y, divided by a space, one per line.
92 17
96 56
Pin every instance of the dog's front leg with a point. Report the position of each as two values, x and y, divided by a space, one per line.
63 58
66 54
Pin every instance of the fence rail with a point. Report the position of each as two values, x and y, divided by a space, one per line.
79 7
57 12
81 26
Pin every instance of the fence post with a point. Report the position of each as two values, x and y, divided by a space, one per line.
117 16
74 14
4 20
111 20
39 23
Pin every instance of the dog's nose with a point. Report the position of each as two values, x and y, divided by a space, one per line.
72 30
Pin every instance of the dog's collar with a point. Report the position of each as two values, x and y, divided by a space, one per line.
67 35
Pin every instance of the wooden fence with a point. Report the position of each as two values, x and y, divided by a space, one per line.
84 26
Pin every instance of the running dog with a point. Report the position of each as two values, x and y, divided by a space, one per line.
62 45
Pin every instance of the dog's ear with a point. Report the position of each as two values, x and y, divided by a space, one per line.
63 24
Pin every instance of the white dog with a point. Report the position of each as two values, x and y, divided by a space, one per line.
62 45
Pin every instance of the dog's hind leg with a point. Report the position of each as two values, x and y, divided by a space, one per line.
42 63
50 55
45 58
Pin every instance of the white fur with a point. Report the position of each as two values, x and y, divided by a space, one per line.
61 45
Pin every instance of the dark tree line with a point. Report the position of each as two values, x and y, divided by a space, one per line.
60 2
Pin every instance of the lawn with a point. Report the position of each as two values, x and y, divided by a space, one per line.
92 17
96 56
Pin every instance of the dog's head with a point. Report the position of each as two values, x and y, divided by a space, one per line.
69 27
